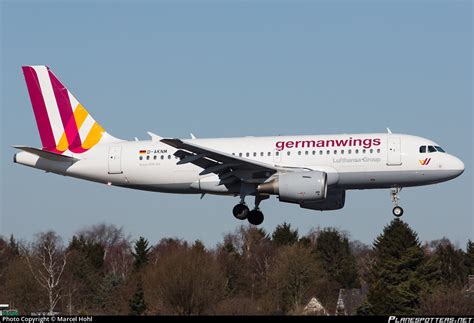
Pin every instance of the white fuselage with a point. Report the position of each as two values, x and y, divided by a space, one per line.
352 161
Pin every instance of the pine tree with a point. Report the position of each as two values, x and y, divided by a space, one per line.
469 257
333 250
198 245
137 302
395 282
93 251
284 235
141 254
14 248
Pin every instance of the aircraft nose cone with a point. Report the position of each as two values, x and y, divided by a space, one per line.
458 166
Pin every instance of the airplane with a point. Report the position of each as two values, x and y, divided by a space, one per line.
313 171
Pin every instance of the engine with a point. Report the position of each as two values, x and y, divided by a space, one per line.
297 187
334 201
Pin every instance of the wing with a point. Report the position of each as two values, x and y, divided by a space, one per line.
229 168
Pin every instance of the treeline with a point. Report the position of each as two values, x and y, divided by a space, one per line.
102 271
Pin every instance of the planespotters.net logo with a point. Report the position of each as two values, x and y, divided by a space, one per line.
350 142
395 319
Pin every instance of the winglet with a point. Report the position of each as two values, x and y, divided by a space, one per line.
388 130
153 136
193 136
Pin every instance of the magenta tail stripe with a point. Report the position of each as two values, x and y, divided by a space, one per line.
66 112
39 108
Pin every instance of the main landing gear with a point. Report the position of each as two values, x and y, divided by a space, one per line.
397 210
242 212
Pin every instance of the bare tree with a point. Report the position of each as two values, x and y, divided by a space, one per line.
294 276
187 281
46 261
450 301
119 259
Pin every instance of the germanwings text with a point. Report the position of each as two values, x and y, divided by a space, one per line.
351 142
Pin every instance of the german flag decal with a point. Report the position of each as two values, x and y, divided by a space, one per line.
142 151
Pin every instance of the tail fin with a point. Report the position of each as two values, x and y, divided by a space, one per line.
63 123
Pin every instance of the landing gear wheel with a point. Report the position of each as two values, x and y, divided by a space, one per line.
241 211
255 217
397 211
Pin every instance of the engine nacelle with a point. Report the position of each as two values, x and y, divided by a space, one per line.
297 187
334 201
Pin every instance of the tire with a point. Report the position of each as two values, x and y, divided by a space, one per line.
397 211
255 217
240 211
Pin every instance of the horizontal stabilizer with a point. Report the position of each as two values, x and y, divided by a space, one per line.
47 154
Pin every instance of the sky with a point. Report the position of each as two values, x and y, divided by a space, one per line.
224 69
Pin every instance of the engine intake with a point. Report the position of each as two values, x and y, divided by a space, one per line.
297 187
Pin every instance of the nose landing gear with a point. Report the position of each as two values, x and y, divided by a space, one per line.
397 210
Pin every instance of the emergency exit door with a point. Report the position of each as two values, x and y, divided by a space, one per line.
394 157
115 160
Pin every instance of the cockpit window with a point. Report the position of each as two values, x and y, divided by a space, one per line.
438 148
431 149
422 149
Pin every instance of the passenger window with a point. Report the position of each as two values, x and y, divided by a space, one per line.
306 152
254 154
335 152
431 149
277 153
141 157
247 154
162 156
288 153
357 151
233 154
240 154
148 157
299 152
422 149
269 154
342 152
154 157
314 152
169 156
261 153
320 152
378 150
371 151
327 152
349 151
